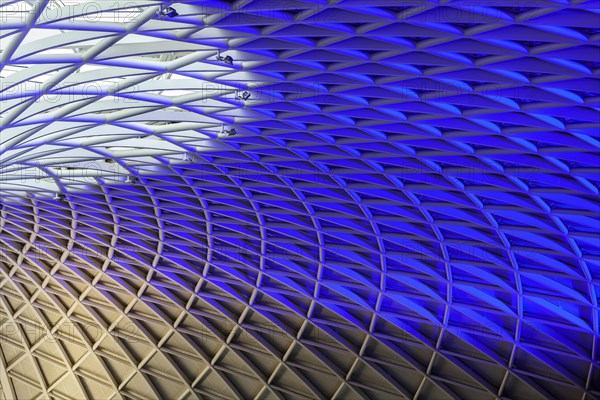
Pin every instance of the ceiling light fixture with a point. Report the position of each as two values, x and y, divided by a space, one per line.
227 132
244 96
169 12
227 59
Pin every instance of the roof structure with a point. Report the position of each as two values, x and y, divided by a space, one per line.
403 205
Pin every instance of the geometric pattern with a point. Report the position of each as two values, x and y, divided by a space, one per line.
407 206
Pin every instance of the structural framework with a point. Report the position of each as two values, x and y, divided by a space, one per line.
259 199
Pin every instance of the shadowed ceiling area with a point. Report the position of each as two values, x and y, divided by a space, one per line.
343 199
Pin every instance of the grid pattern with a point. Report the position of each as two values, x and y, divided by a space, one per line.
406 206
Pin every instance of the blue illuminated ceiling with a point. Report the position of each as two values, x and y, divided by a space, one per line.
406 206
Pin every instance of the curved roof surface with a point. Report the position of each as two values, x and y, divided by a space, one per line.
405 206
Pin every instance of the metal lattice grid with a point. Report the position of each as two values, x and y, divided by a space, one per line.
406 206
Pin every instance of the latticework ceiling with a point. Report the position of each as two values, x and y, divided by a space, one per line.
406 206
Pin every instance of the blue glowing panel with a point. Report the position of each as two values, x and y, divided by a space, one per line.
349 199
